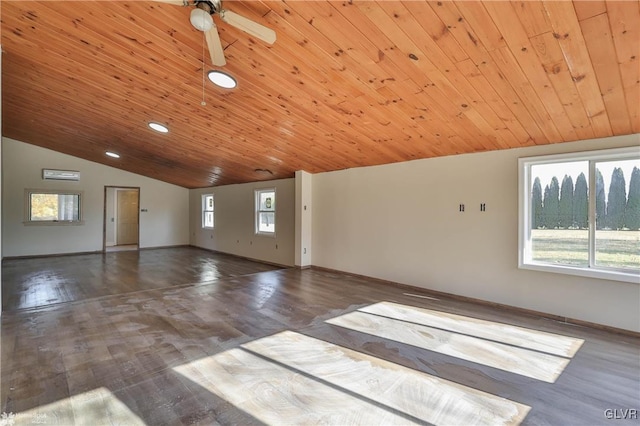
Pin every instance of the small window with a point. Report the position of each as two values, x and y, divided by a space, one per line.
580 214
207 211
266 211
53 207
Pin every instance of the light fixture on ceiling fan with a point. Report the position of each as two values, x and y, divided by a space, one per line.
202 19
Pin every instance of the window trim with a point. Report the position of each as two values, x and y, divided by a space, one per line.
205 211
27 207
524 214
257 193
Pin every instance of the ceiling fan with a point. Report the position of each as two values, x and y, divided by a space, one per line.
202 19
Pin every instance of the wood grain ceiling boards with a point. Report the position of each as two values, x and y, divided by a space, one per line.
346 84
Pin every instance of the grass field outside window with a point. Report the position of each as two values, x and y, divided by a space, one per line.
614 249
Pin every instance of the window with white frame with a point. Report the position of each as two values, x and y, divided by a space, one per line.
580 214
266 211
44 206
207 211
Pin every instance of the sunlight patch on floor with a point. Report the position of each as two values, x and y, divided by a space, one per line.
290 378
276 395
96 407
514 349
550 343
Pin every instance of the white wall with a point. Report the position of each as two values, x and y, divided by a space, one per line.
234 230
166 222
400 222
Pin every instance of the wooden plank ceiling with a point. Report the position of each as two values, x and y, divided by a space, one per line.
346 84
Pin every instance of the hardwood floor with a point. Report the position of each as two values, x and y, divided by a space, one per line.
281 347
34 282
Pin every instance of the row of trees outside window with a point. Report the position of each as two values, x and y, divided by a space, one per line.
565 206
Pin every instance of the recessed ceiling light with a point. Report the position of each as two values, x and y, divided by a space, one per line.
222 79
112 154
159 127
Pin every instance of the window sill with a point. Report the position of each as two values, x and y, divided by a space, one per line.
54 223
604 274
266 234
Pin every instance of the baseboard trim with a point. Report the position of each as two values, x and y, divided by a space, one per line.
164 247
266 262
36 256
515 309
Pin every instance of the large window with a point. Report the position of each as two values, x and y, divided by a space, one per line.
580 214
207 211
53 207
266 211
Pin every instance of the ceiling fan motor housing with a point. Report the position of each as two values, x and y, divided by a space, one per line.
210 6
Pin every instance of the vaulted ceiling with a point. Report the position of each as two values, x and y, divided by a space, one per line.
346 84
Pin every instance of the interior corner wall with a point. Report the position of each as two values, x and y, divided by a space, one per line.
165 223
234 216
400 222
304 205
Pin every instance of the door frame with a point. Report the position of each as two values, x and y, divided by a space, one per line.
104 213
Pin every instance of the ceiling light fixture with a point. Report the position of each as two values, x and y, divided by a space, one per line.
112 154
222 79
159 127
201 19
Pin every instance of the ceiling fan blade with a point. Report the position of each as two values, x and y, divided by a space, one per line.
248 26
215 47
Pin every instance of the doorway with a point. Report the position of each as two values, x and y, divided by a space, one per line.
121 218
